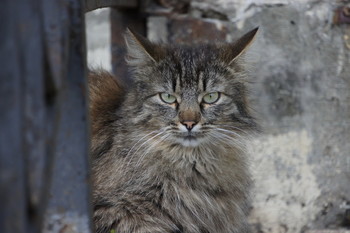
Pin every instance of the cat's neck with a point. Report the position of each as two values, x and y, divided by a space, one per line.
202 166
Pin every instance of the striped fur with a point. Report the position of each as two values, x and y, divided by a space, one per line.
148 177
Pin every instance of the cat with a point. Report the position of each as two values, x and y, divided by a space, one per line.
168 153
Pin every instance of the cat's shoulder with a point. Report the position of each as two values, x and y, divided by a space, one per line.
106 93
103 82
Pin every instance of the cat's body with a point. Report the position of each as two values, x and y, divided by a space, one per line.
168 155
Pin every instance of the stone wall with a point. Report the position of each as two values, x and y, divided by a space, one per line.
300 67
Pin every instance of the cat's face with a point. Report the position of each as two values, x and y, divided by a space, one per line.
191 96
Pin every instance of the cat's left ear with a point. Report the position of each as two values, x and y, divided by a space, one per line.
232 51
141 51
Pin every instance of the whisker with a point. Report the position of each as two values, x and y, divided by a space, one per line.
231 141
230 132
138 148
233 127
155 143
244 134
140 140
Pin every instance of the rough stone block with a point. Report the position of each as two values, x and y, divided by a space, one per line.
328 231
187 29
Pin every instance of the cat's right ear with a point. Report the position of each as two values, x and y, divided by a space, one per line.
234 50
140 50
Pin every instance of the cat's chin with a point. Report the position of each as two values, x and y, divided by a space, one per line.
189 141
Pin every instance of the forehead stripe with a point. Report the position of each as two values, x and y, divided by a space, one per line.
178 84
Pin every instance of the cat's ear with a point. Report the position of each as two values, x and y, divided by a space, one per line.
232 51
140 50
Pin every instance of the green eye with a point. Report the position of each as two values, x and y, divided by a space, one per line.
211 98
167 98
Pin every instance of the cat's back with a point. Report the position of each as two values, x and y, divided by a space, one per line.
106 94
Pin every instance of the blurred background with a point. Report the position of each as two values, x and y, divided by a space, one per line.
300 68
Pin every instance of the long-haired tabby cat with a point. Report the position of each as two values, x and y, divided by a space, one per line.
168 153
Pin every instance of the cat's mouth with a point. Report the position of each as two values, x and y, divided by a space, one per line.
189 140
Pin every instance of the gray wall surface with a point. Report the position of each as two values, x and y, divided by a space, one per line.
98 39
300 67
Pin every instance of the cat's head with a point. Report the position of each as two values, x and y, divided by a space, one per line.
190 95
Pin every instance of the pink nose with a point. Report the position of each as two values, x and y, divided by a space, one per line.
189 124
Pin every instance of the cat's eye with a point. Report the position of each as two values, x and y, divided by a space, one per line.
167 98
211 98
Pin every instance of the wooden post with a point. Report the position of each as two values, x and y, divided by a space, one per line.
44 161
22 115
68 208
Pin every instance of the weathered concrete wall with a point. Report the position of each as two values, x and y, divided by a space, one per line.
301 72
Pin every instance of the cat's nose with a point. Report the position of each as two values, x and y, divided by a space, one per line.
189 124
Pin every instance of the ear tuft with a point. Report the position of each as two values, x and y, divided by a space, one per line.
140 50
232 51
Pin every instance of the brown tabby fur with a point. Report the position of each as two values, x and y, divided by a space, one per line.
147 181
